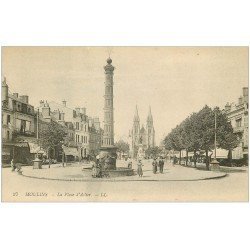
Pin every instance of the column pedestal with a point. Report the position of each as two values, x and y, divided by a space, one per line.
108 156
141 152
37 164
214 165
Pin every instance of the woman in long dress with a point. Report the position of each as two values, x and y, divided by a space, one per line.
154 163
139 168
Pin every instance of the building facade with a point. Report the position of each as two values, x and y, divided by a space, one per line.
237 114
140 135
85 132
18 126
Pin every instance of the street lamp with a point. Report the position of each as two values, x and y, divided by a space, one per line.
37 163
214 165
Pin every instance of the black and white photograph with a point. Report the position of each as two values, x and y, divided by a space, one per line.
125 124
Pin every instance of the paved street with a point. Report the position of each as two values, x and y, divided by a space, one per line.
233 187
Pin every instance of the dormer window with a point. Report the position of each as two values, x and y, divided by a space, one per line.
238 123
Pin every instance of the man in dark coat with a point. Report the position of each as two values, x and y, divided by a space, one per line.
161 165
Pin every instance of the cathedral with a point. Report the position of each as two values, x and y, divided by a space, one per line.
140 135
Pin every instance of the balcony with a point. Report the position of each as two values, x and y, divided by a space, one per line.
23 133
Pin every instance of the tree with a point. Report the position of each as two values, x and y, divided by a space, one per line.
197 132
52 136
205 130
174 140
194 135
122 146
153 152
227 139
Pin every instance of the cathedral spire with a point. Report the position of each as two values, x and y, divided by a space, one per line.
136 116
150 117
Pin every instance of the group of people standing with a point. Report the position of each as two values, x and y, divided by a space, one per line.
157 164
100 167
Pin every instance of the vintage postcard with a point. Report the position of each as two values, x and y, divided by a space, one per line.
124 124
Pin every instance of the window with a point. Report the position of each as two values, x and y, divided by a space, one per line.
28 126
238 123
8 135
77 125
8 119
23 126
82 138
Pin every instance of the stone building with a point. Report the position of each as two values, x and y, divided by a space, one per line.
84 130
237 114
18 126
140 134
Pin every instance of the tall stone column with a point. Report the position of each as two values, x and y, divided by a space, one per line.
108 150
108 136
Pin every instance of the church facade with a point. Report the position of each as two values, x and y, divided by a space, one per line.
140 135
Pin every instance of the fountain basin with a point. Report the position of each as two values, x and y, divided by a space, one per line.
112 172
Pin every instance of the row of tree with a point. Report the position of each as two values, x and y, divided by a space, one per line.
197 132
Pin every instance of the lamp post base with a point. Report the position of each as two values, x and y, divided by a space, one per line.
214 165
37 164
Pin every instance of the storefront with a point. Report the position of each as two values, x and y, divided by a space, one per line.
71 153
19 151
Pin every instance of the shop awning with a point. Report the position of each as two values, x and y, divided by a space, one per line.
17 144
70 151
220 153
35 148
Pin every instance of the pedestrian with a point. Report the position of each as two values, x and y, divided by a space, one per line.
174 160
13 167
129 162
154 163
94 169
139 168
100 170
161 165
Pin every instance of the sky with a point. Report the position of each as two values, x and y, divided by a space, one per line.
174 81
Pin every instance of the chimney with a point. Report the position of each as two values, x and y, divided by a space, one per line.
24 98
62 116
64 103
41 103
46 110
97 123
245 94
77 111
5 90
90 122
227 107
240 100
84 111
15 95
56 114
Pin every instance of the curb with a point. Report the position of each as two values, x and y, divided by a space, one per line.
117 180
